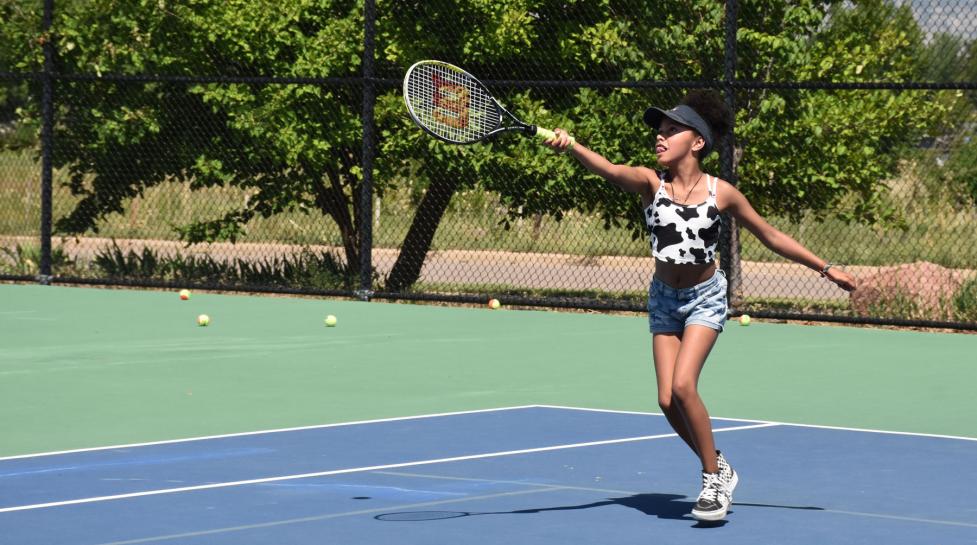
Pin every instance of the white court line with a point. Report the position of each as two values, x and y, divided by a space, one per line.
358 470
635 493
540 487
279 430
378 510
457 413
790 424
899 517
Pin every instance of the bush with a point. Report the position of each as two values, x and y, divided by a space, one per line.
115 263
15 136
26 261
965 302
305 269
955 171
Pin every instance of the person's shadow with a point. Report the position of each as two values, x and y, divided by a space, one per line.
663 506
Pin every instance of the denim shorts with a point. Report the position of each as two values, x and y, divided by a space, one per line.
670 309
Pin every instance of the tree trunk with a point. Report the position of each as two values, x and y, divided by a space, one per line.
407 270
333 201
733 266
731 259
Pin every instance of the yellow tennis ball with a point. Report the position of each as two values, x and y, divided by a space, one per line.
494 303
203 320
745 319
184 294
330 321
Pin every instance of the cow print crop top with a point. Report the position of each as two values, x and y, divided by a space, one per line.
683 234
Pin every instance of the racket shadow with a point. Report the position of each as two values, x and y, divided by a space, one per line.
666 506
663 506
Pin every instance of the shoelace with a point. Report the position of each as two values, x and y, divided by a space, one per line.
711 487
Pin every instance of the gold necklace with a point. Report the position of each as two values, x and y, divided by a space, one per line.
687 195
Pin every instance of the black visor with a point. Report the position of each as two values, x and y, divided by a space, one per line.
683 115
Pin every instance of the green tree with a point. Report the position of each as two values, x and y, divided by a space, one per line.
20 26
806 151
943 58
293 147
297 147
20 21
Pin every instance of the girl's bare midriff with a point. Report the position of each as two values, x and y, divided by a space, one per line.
683 276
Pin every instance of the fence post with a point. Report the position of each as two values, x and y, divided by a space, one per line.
47 141
729 259
365 290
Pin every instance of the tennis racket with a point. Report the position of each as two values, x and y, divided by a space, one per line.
453 106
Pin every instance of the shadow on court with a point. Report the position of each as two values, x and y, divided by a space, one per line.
663 506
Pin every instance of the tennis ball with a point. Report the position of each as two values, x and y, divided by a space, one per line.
494 303
184 294
203 320
745 319
330 321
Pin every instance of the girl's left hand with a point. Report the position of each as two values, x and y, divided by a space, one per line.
844 280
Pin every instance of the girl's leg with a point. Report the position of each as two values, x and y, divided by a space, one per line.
697 342
665 349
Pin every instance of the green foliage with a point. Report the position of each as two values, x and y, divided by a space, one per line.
20 260
115 263
20 24
952 164
803 152
965 302
305 269
26 261
897 303
829 307
297 148
811 151
944 59
959 170
17 19
17 135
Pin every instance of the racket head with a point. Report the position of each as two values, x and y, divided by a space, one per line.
449 103
418 516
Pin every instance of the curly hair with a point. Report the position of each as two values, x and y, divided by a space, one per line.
710 105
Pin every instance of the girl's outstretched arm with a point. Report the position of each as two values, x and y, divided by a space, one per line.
740 208
641 180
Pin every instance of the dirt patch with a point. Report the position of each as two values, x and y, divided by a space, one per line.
920 290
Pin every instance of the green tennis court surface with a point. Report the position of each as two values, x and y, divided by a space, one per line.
84 367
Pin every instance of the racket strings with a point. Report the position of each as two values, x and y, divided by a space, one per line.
410 516
451 104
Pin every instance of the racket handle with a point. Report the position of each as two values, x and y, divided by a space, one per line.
546 134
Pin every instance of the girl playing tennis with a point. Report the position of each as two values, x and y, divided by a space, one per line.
687 305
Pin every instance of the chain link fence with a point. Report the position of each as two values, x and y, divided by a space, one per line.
193 147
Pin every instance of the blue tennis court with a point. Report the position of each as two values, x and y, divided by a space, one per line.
535 474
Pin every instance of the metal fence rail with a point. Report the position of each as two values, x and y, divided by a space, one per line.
242 168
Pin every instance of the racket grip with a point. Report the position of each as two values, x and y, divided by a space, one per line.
546 134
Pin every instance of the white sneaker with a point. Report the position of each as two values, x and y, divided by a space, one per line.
727 474
714 499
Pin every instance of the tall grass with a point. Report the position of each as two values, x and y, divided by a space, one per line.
932 223
20 190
